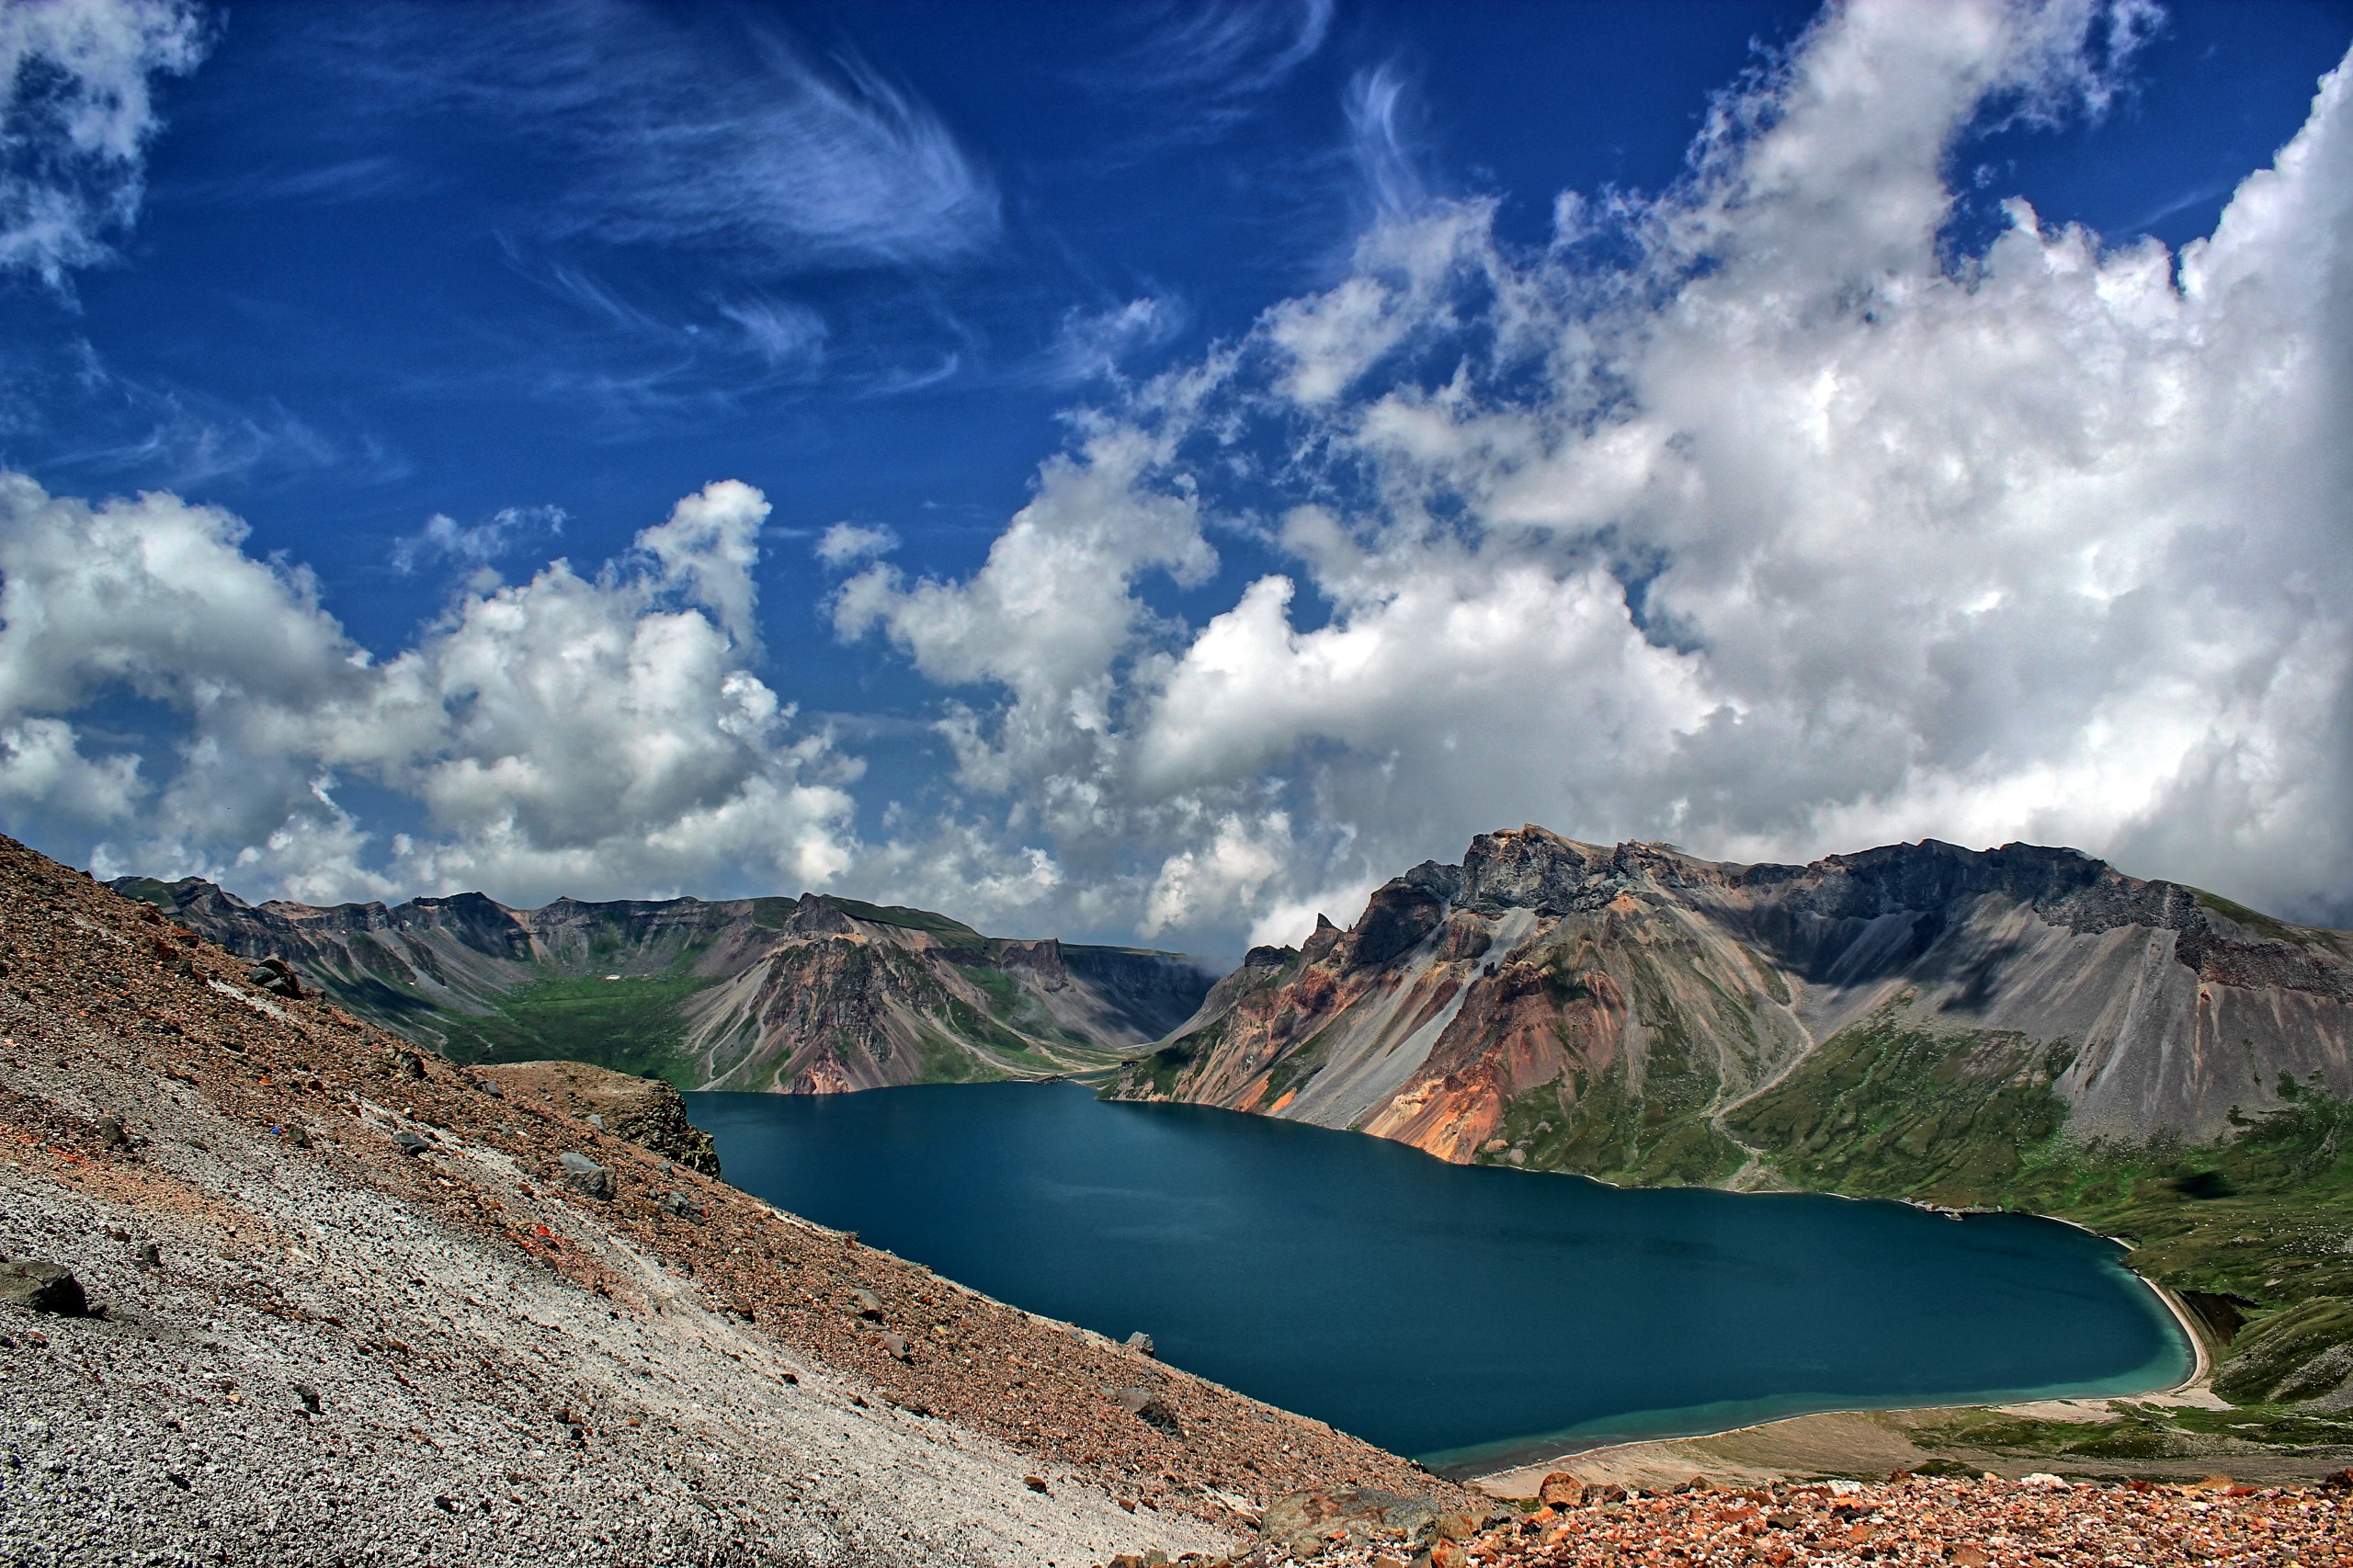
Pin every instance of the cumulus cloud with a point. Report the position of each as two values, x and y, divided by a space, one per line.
443 537
76 114
599 735
847 544
1746 516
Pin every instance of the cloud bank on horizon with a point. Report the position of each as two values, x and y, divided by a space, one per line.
1751 516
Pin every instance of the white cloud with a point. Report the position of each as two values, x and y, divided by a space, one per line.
847 544
76 114
1785 536
1093 345
443 537
598 735
783 334
696 129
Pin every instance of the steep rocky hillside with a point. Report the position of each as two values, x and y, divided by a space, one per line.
2019 1026
1637 1012
815 995
276 1287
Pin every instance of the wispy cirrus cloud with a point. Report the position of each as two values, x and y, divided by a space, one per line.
719 131
76 113
1226 50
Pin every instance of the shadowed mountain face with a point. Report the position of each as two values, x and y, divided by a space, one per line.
1913 1019
816 995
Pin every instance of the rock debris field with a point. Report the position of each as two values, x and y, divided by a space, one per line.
1938 1523
347 1305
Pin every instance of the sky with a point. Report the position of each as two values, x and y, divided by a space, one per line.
1153 472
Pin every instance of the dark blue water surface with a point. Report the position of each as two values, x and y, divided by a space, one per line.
1465 1316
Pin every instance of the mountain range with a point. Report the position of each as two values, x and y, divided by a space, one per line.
813 995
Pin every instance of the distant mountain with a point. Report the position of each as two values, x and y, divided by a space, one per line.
1916 1017
813 995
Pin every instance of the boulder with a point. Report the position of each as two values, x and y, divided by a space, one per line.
110 1132
866 1303
680 1205
897 1344
1151 1409
1140 1342
587 1174
43 1287
1304 1518
1560 1490
276 976
410 1143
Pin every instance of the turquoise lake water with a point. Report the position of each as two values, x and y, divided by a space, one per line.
1468 1317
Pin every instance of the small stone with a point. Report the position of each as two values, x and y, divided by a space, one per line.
44 1287
409 1143
596 1120
1034 1483
148 1256
110 1132
680 1204
1140 1342
897 1344
587 1174
1151 1409
866 1303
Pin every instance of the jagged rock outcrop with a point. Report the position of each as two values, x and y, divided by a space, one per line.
1639 1013
648 1112
810 995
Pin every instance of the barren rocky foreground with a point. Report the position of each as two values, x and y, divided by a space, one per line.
346 1304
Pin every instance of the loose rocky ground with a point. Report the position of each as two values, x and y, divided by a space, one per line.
353 1307
2033 1522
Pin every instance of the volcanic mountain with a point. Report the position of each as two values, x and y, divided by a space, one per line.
1639 1013
814 995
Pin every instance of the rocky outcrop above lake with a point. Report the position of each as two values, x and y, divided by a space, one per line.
809 996
648 1112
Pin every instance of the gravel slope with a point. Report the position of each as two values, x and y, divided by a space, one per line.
344 1352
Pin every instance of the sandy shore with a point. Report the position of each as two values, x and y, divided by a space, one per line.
1862 1442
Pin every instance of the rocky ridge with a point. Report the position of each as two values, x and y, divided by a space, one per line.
351 1300
813 996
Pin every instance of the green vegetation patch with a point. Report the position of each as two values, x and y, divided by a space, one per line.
1886 1109
631 1025
2258 922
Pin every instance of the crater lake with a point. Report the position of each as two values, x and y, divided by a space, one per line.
1468 1317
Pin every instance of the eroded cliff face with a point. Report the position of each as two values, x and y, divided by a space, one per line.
813 995
1639 1014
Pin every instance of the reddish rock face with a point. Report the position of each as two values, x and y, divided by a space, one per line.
1609 1010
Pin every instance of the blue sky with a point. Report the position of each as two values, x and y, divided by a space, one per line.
1208 463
